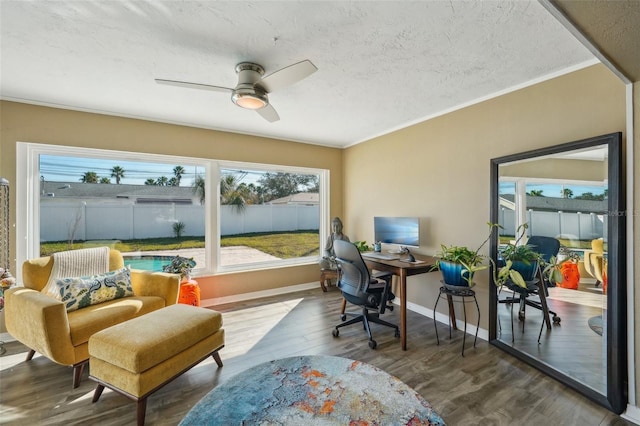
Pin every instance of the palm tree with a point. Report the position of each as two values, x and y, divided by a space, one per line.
89 177
536 193
162 181
231 193
566 193
198 188
150 181
117 172
105 179
178 171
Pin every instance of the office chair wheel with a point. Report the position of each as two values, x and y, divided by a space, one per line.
335 332
397 333
390 307
556 319
372 344
343 317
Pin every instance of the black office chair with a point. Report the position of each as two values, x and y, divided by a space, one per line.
547 247
362 289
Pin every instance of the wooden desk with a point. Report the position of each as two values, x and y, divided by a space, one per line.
403 270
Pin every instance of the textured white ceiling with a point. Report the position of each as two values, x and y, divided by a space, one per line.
382 65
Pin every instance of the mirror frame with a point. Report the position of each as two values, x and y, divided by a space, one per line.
616 351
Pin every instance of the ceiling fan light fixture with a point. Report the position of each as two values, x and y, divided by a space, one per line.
249 101
250 98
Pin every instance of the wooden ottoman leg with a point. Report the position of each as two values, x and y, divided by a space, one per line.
142 410
97 393
30 354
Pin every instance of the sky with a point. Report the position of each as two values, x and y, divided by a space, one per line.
71 169
552 190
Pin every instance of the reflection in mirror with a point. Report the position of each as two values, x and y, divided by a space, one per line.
566 193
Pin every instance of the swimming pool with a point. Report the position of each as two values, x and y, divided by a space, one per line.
148 263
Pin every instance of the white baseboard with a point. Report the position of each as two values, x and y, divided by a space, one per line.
444 319
632 414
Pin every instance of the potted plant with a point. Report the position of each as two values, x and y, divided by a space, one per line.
181 266
458 264
520 261
189 289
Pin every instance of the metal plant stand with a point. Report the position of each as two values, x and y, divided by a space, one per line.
463 293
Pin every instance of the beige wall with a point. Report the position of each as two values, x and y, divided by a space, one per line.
28 123
439 169
587 170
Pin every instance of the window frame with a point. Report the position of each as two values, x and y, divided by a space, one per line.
28 200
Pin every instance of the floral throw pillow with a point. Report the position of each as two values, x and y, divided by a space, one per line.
80 292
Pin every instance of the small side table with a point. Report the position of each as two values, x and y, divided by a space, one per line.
326 275
2 290
463 293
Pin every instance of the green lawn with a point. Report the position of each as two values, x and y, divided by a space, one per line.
280 244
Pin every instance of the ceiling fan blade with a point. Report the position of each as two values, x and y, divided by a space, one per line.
269 113
193 85
287 76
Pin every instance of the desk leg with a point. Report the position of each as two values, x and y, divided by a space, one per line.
452 312
403 308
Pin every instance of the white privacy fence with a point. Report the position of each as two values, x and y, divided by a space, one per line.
87 221
573 226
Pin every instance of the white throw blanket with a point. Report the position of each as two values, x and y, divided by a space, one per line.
78 263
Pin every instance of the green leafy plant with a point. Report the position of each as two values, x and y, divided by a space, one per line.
471 260
525 253
514 252
362 246
180 265
552 270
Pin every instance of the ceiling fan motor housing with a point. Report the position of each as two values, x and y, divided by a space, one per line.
246 93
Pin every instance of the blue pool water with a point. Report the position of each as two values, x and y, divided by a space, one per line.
148 263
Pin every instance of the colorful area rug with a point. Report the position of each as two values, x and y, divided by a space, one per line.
313 390
595 324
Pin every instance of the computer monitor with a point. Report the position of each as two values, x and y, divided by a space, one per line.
404 231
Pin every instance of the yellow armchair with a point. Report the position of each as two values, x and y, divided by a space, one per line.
593 260
43 324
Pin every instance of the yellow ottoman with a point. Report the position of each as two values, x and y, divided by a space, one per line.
139 356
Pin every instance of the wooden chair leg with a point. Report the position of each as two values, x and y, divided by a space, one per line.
344 306
30 354
141 410
77 374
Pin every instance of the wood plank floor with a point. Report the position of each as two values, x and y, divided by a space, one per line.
571 347
486 387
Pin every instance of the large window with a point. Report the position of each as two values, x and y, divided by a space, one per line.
572 211
227 216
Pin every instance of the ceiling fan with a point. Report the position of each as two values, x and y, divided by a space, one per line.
253 89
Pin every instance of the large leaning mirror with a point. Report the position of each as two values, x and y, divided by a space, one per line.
572 193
